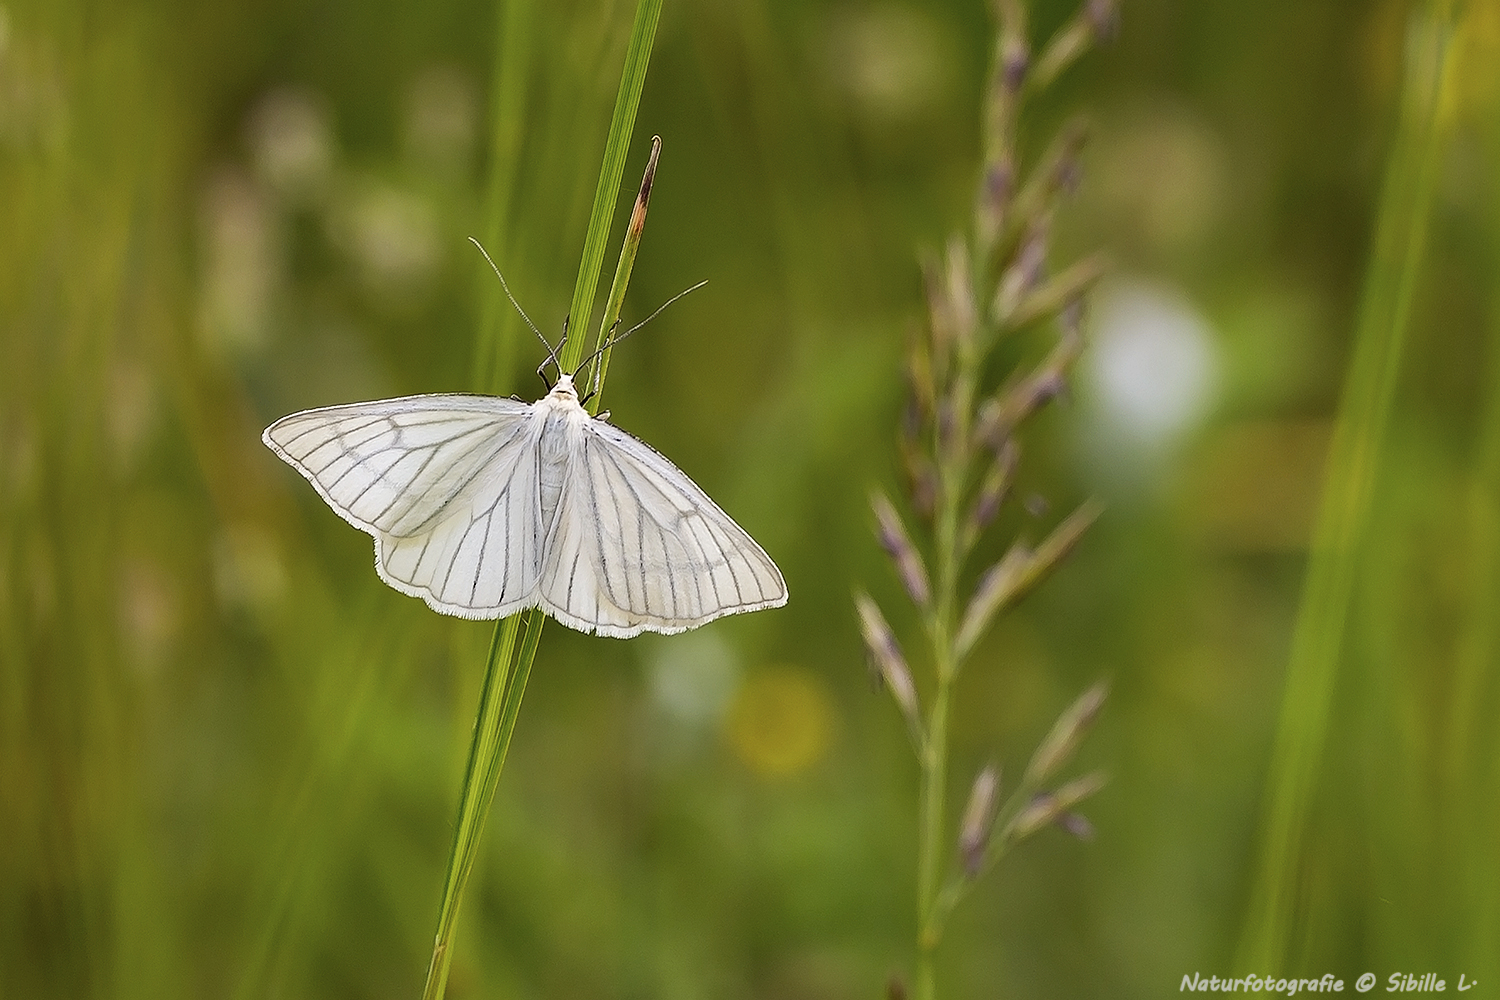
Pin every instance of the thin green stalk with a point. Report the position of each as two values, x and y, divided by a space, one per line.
1473 749
960 455
481 776
616 300
510 660
931 837
1359 434
934 753
607 194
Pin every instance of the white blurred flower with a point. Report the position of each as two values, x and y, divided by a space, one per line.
241 271
149 614
1152 366
892 60
291 143
391 233
693 677
33 94
130 409
440 118
249 571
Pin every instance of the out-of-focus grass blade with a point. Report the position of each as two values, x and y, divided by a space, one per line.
1472 746
511 651
1269 933
494 347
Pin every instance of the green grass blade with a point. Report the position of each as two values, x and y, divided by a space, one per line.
510 661
627 100
616 300
481 775
1472 747
1269 934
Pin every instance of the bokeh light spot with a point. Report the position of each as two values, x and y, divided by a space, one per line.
242 267
892 61
249 569
1153 370
781 722
693 677
1164 177
291 141
392 234
440 118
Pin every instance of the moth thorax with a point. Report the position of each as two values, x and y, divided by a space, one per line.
564 389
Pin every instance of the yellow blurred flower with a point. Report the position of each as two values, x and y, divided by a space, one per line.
781 721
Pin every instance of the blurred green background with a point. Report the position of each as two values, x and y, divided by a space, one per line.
230 757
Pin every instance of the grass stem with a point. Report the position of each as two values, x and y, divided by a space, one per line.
481 776
514 645
960 461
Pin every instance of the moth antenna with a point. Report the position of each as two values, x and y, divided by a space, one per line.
612 340
552 357
551 354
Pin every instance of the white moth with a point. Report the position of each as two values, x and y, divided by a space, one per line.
484 506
